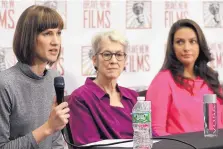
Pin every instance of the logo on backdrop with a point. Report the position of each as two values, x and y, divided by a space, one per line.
138 59
138 14
59 64
217 54
213 14
96 14
7 58
86 62
7 20
58 5
175 10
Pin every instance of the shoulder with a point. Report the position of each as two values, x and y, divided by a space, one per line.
164 74
9 76
79 93
80 90
161 86
163 77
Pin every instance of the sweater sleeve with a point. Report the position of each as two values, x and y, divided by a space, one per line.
58 141
159 93
23 142
83 127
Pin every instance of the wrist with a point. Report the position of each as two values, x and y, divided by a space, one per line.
47 129
42 132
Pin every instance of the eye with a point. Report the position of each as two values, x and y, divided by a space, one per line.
47 33
193 41
59 33
120 54
106 54
180 42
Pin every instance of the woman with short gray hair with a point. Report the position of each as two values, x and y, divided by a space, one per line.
101 109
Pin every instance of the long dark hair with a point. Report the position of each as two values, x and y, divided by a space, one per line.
200 68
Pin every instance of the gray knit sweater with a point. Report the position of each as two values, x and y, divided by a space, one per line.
25 104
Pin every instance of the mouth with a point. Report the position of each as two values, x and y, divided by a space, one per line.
53 51
187 55
113 69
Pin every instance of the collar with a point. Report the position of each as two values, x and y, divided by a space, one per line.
97 91
25 68
198 81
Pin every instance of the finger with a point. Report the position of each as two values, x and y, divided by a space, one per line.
66 121
62 105
66 116
65 110
61 113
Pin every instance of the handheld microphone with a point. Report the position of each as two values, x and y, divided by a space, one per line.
59 88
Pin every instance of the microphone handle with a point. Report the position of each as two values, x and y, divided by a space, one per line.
60 95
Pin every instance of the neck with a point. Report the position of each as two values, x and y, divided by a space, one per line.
189 72
109 86
38 69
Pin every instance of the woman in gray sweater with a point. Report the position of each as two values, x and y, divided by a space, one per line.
29 117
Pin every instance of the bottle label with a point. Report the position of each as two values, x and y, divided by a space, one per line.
141 117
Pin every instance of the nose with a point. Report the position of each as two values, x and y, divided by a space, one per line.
187 46
56 40
113 58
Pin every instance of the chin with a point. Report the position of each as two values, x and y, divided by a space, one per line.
52 60
185 63
112 77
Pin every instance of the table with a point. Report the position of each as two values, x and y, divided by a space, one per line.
195 139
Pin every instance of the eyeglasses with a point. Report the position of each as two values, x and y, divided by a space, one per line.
107 55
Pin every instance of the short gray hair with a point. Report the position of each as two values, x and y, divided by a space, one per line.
113 35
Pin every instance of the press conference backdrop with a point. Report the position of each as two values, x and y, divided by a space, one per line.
145 23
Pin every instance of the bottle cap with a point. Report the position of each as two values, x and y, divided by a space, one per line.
140 98
209 98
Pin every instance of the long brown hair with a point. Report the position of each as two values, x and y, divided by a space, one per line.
201 68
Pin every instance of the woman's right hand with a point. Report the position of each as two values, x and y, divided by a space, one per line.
57 120
58 117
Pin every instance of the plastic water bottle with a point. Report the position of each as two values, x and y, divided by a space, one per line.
141 119
210 116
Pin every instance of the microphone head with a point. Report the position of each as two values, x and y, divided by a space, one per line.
59 82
